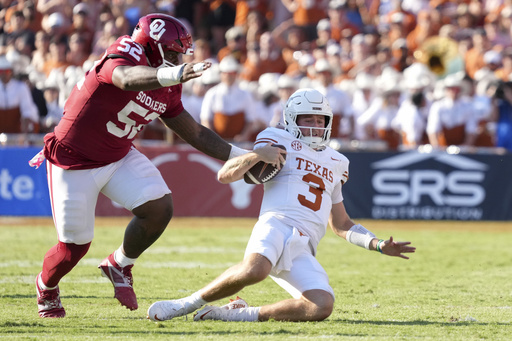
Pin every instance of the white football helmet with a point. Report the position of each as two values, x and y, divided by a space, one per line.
307 102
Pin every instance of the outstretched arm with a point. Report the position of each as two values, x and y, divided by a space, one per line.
141 78
198 136
356 234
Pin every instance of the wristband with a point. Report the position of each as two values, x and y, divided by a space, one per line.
236 151
379 243
360 236
170 75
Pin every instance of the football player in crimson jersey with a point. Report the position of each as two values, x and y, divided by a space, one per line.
284 241
136 81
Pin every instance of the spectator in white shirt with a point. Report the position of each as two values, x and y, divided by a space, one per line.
18 112
227 109
452 119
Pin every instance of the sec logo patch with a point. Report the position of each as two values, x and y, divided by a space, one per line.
296 145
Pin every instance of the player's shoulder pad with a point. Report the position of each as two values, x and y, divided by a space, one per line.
271 135
337 156
341 163
124 47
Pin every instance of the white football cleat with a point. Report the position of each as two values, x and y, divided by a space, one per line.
166 310
227 312
210 312
236 303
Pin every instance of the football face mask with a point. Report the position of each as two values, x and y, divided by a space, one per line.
308 102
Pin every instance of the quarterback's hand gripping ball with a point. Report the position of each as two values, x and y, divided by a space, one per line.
263 172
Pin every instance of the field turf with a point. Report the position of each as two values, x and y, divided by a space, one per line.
458 285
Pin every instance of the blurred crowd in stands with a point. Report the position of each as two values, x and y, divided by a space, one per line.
398 73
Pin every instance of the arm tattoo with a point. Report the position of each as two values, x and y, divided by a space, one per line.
238 164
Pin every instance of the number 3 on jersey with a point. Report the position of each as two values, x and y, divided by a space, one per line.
317 187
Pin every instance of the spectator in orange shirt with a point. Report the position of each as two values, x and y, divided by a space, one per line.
291 39
337 13
235 45
306 14
408 19
57 56
505 71
474 58
263 58
244 7
428 26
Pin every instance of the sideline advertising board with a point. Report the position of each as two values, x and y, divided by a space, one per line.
407 185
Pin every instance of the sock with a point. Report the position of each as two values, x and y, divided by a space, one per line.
121 259
195 300
59 260
42 286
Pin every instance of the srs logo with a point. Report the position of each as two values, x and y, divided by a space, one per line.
406 193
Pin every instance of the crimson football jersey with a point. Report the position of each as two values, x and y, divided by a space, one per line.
100 120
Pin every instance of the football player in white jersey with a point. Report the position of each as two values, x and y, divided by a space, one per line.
298 204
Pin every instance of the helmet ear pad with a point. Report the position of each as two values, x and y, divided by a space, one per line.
160 34
311 102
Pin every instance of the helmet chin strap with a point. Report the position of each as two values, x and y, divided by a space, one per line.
315 142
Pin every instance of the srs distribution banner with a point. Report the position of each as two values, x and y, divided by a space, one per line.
429 186
23 189
410 185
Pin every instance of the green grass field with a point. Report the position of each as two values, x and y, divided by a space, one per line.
458 285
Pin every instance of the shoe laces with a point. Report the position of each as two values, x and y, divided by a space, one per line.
50 298
127 272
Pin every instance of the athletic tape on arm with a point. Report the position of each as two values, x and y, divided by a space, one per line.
170 75
360 236
236 151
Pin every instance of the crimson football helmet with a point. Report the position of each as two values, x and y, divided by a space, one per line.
159 33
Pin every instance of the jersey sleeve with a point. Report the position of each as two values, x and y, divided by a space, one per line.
108 66
337 196
266 136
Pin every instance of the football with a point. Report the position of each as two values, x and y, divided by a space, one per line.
263 172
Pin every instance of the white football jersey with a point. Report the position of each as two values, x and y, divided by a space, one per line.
303 193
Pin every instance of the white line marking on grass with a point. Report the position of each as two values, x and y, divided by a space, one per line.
163 265
193 249
20 264
186 265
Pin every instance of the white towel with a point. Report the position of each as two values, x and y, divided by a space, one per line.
293 246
